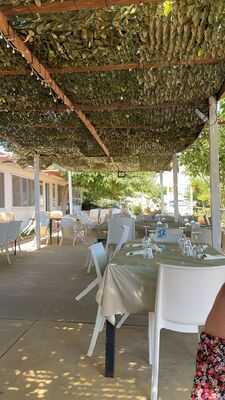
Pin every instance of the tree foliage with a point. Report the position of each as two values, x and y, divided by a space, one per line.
196 158
201 191
196 162
97 186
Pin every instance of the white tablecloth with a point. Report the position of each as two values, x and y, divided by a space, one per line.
129 282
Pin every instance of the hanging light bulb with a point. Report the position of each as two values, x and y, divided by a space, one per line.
13 51
8 45
32 73
1 36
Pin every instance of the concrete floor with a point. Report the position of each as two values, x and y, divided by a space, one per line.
44 337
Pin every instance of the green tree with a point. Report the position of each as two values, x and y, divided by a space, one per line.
196 162
109 186
201 191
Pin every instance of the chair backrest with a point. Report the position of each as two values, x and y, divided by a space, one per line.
67 225
44 219
123 239
84 218
13 230
185 295
167 235
3 233
195 227
25 225
95 215
115 229
99 256
205 236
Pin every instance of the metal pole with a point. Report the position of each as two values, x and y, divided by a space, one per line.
175 188
161 192
214 174
70 192
37 199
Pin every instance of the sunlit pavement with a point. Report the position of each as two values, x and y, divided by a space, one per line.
44 336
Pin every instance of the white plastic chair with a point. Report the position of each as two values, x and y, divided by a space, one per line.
71 229
99 257
44 226
95 215
85 219
123 239
205 236
184 298
13 234
115 227
100 261
4 240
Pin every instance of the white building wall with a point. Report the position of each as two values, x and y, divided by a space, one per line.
21 213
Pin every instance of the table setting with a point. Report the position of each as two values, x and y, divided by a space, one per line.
129 281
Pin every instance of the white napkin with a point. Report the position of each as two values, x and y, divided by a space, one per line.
135 253
134 245
214 257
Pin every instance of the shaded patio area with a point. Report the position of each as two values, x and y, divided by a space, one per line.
44 337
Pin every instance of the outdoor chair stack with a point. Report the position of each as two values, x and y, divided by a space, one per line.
72 230
9 237
44 226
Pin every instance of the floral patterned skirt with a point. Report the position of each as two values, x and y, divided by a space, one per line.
209 380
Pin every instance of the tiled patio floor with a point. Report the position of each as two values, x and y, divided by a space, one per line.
44 337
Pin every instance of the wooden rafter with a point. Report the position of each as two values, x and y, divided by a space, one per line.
43 72
70 5
115 67
103 126
117 106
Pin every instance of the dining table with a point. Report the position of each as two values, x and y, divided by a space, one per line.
129 284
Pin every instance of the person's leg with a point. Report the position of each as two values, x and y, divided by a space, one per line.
215 324
209 377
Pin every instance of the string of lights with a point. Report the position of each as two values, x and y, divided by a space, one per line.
33 73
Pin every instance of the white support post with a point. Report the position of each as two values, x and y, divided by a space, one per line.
161 192
214 174
37 199
175 188
70 192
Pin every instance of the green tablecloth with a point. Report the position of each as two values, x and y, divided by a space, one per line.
129 281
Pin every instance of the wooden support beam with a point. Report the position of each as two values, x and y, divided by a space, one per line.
175 187
117 106
74 127
70 187
214 174
43 72
37 199
115 67
70 5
